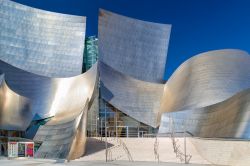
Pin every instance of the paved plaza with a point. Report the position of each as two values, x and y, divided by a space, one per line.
46 162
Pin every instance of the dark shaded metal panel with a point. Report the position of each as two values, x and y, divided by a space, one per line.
206 79
133 47
56 139
227 119
59 139
138 99
15 110
41 42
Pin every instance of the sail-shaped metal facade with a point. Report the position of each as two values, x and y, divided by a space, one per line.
208 96
132 58
41 42
41 57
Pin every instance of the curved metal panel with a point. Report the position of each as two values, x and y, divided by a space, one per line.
66 99
133 47
201 96
72 94
15 111
36 48
138 99
60 135
227 119
41 42
50 95
78 145
59 139
207 79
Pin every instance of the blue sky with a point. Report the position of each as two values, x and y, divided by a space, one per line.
197 25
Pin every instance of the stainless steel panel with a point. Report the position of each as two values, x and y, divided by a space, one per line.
65 139
138 99
15 111
41 53
133 47
227 119
207 79
69 107
50 96
41 42
207 95
132 64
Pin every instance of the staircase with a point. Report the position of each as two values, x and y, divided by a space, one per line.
137 149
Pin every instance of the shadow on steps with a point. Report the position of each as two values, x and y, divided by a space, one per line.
95 145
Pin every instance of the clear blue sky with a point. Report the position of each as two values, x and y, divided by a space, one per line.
197 25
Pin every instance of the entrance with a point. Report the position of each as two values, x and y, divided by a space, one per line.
21 149
141 134
3 149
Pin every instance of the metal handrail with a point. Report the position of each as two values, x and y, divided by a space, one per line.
120 144
156 150
179 154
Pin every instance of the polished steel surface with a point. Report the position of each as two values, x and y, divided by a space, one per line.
65 139
138 99
132 63
41 42
41 56
78 145
15 111
207 79
133 47
68 108
209 96
49 95
227 119
68 126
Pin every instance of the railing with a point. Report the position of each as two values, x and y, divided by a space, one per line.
177 150
118 147
156 150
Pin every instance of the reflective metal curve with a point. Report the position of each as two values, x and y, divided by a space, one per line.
41 56
138 99
41 42
207 79
132 63
208 97
15 111
133 47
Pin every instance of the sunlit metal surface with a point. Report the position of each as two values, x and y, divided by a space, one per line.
138 99
132 63
48 94
133 47
63 139
69 97
15 111
207 79
78 145
62 132
227 119
41 56
41 42
208 96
